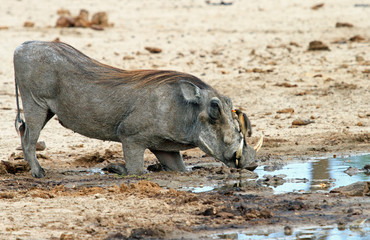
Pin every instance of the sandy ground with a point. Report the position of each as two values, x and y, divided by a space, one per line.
255 52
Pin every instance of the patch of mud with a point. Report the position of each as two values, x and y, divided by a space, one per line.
14 167
89 160
151 199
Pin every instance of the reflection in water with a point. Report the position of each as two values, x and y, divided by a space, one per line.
313 176
325 232
320 175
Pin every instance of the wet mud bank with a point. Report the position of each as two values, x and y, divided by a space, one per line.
206 202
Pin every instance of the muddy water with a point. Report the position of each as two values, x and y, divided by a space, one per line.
315 175
319 174
326 232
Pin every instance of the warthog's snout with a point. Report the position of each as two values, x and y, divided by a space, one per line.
245 155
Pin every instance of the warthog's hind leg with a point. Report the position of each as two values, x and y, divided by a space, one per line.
171 161
36 118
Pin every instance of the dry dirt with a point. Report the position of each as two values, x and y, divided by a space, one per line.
306 102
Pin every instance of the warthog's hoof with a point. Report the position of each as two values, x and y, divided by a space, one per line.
38 173
251 167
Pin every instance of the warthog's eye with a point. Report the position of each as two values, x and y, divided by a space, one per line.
215 109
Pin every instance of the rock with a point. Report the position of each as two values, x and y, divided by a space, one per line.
287 85
40 146
64 12
302 93
64 21
301 122
355 189
114 236
367 168
251 167
318 46
343 24
116 168
220 3
153 49
357 38
294 44
259 70
352 171
341 225
100 19
82 20
128 58
29 24
317 6
285 110
141 233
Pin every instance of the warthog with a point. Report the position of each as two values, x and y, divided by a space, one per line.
163 111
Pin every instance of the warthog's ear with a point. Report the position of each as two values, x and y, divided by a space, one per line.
190 92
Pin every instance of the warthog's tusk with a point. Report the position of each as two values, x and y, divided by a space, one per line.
259 144
239 152
205 145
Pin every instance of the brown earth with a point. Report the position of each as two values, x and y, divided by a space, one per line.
257 53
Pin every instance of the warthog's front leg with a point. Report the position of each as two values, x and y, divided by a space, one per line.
170 160
134 157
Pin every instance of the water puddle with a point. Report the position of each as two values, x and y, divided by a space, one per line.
326 232
87 171
199 189
316 175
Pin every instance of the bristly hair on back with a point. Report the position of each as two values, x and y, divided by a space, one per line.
104 74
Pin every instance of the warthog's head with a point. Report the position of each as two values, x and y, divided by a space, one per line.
218 131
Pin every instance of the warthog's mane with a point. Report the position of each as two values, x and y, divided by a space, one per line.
111 76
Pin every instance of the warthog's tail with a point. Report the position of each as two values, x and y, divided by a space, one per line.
20 125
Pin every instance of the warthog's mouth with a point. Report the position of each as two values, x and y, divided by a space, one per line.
236 158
